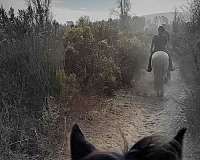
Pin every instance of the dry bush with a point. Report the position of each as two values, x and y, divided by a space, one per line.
186 40
98 59
101 57
193 29
89 60
28 45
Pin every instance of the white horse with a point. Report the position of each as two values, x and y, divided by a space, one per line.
160 65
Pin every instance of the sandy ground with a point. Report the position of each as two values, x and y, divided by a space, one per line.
138 112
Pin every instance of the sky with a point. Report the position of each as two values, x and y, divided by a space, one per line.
67 10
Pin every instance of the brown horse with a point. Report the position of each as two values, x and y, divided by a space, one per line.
148 148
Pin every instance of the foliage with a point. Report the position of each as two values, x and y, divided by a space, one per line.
185 37
193 30
39 70
124 6
130 57
101 56
126 22
195 15
29 42
89 60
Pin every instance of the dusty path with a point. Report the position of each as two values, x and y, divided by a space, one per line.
173 112
139 113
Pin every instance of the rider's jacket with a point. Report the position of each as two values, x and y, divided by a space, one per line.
160 43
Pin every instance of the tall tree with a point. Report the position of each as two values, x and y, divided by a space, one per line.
195 15
124 6
124 9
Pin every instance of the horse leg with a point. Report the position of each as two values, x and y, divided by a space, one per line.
168 75
158 92
161 88
162 92
156 88
156 83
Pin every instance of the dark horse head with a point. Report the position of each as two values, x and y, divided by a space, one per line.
148 148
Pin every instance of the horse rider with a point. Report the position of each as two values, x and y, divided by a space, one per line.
159 43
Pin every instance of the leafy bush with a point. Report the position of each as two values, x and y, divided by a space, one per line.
36 66
89 60
28 76
129 53
186 40
102 57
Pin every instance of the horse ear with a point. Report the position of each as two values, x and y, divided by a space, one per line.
180 136
80 147
142 148
177 142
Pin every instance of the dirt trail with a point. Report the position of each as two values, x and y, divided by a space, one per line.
139 113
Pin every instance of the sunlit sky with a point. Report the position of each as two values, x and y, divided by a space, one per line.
64 10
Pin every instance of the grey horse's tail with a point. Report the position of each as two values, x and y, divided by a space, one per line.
160 65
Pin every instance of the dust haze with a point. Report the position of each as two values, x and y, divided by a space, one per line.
100 76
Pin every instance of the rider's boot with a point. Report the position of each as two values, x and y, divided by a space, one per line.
149 69
171 67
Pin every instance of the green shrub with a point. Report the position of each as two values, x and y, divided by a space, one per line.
27 78
89 60
100 56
